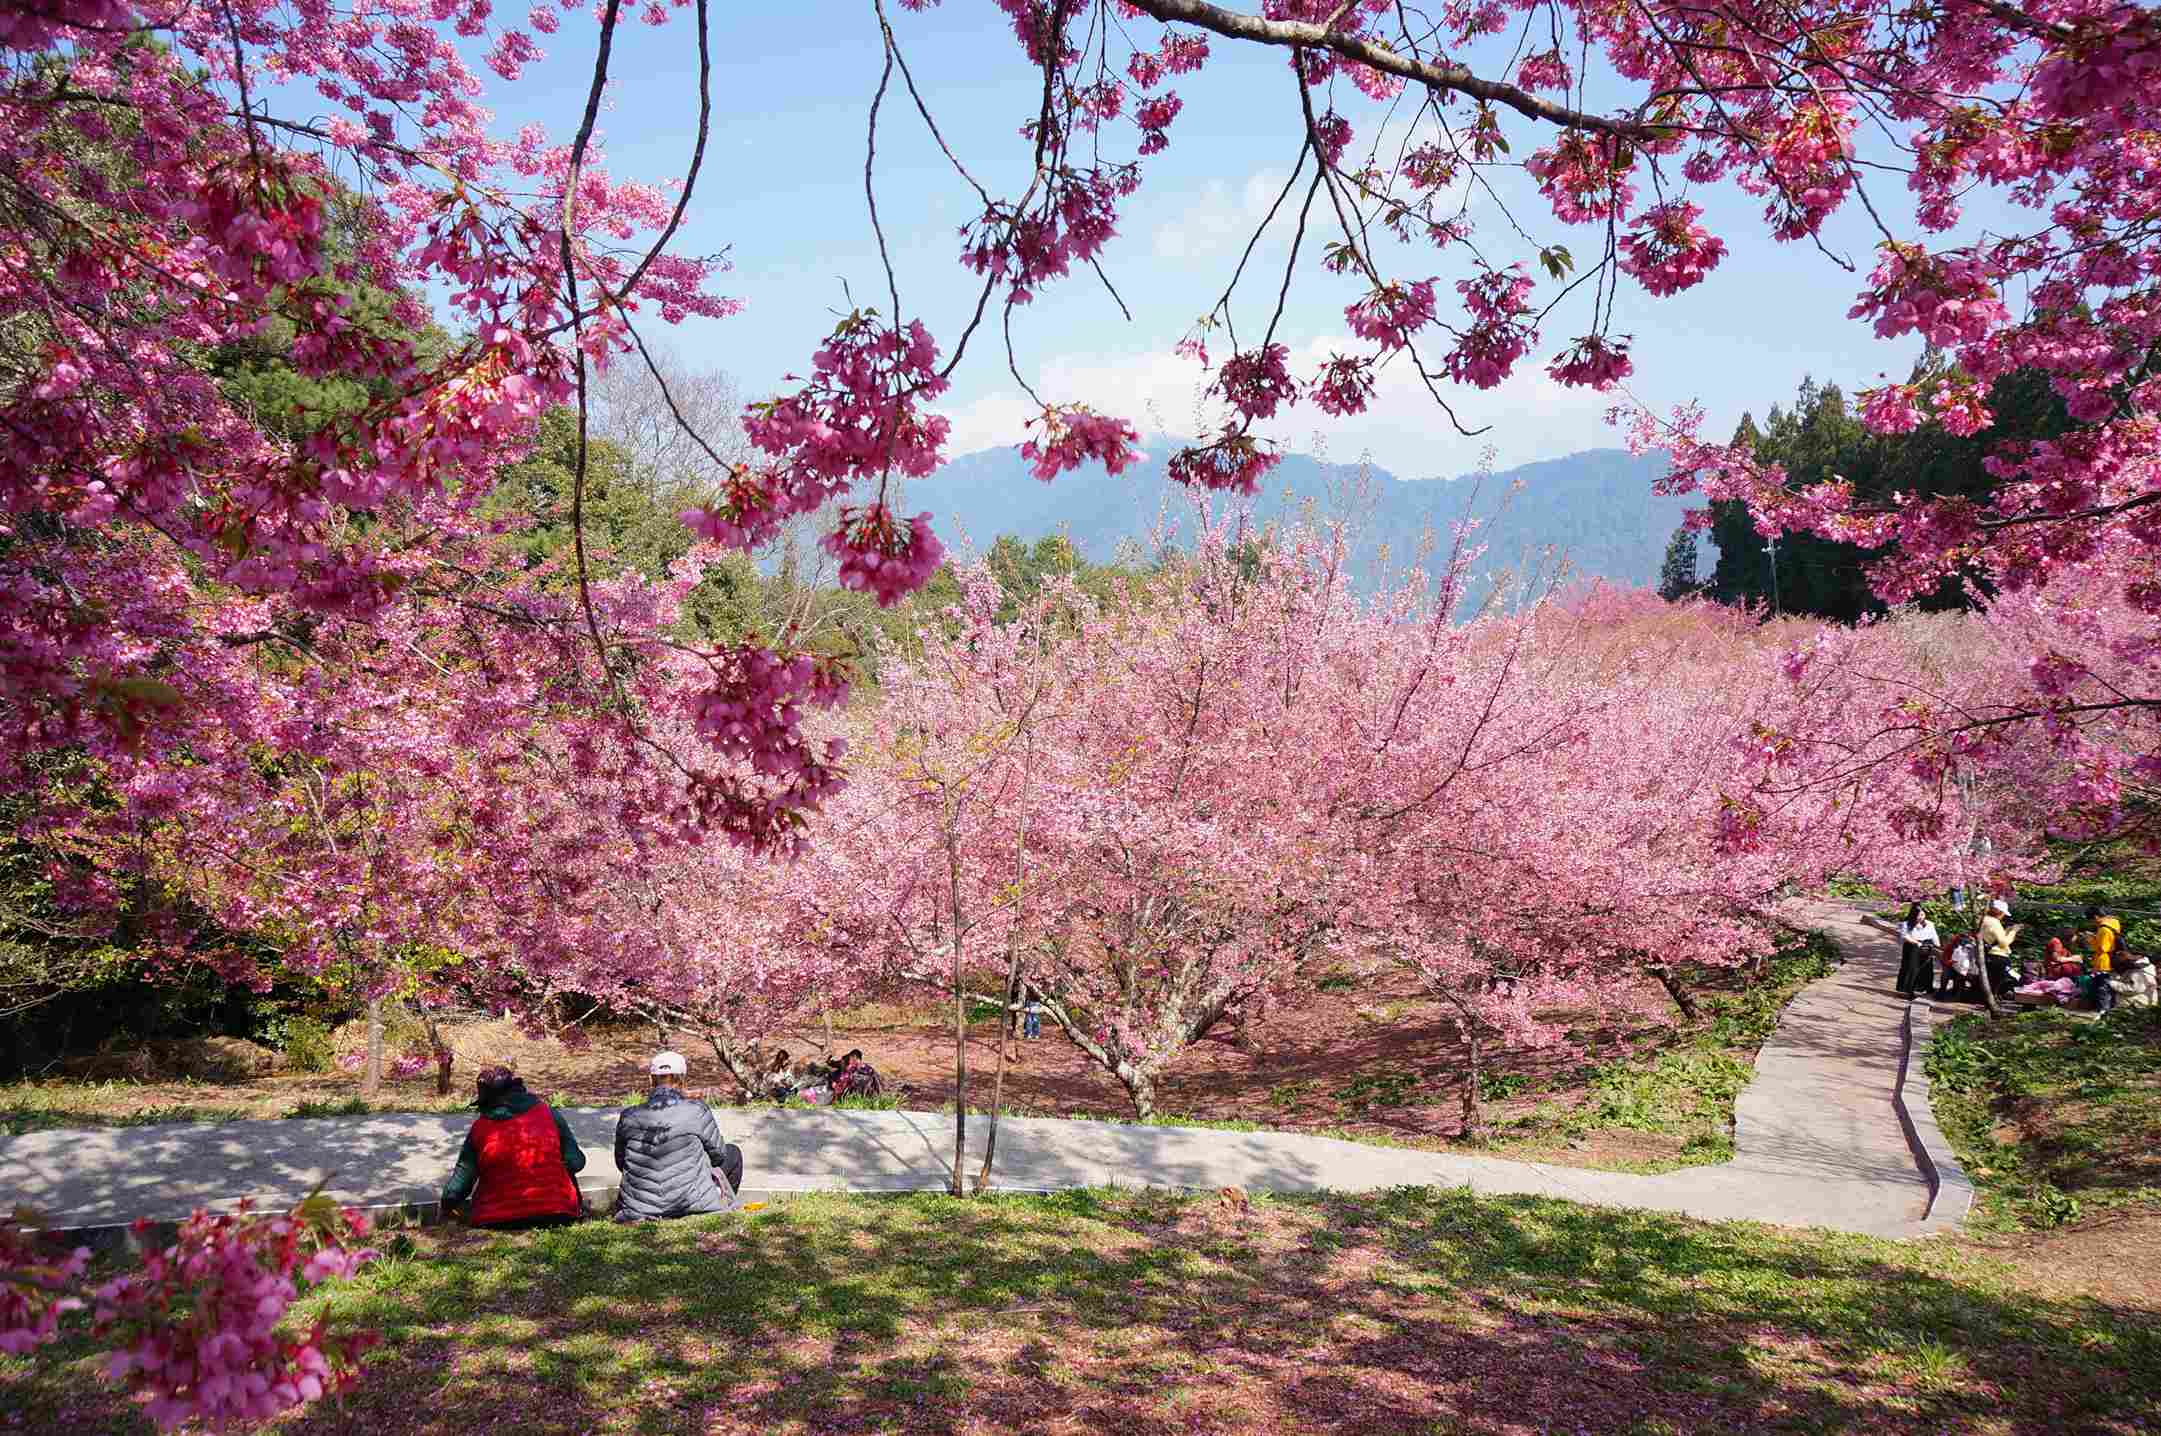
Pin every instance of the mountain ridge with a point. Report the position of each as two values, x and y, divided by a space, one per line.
1595 506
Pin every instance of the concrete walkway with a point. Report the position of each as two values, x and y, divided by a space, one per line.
1824 1136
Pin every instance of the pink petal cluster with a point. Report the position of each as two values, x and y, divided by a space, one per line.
1074 217
1596 361
197 1326
1256 382
1667 251
1392 314
1233 462
1073 435
1344 385
1154 118
881 556
1546 70
1946 298
35 1292
1499 333
1583 177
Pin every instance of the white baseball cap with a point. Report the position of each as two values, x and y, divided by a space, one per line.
2001 906
667 1064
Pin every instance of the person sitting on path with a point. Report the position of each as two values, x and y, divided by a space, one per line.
669 1152
1917 945
2100 943
1958 975
519 1164
2134 982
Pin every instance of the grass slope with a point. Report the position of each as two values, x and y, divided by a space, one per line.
1675 1102
2057 1117
1415 1311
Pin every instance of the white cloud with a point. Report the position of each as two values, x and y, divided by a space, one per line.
1154 390
1530 416
1222 219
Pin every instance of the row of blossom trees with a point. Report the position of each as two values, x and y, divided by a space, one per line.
1158 812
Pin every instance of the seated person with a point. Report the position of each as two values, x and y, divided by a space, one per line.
520 1156
778 1082
1959 976
2061 961
856 1078
2134 982
669 1152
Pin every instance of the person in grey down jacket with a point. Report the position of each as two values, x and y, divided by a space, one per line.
669 1152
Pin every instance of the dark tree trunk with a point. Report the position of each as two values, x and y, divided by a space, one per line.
1988 986
1474 1117
1141 1089
1674 990
444 1058
960 1076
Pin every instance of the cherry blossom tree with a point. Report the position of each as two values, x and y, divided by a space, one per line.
692 933
1692 768
1248 768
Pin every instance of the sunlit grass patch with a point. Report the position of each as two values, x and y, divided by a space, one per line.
2055 1116
1145 1312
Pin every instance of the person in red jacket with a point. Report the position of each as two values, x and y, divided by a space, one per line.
519 1162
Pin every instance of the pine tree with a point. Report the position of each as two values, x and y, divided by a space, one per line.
1677 575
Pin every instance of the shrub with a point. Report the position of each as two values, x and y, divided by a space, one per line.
307 1044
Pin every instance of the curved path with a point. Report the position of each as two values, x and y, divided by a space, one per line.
1834 1131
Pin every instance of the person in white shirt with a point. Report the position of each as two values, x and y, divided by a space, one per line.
1917 948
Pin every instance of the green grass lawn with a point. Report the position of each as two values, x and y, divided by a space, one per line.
1414 1311
2056 1116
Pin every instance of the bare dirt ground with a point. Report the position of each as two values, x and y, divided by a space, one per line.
2107 1258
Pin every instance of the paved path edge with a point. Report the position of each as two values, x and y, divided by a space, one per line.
1951 1192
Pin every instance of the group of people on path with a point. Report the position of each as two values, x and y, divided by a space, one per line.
2086 965
519 1165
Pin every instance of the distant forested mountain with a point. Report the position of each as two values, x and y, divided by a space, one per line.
1594 509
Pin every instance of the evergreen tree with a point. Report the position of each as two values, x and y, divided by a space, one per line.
1677 575
1819 440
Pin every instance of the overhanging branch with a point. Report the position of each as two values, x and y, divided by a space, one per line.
1300 34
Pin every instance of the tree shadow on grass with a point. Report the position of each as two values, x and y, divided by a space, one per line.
1414 1311
1410 1311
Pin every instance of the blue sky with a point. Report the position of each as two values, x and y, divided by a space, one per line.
782 192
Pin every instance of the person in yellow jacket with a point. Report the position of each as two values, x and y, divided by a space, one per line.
2101 943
